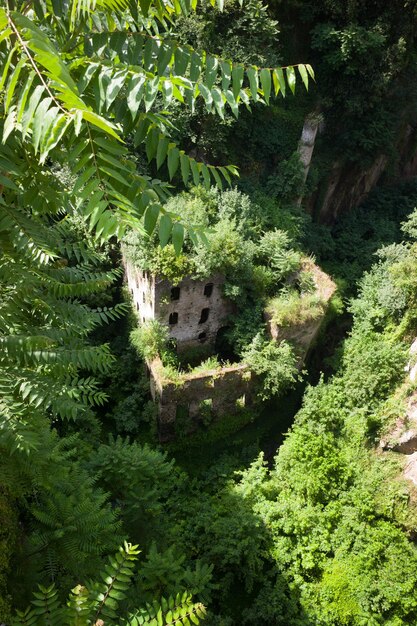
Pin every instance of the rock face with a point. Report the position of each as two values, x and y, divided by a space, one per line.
348 184
306 145
410 469
403 437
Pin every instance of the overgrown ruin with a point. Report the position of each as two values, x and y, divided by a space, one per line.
195 312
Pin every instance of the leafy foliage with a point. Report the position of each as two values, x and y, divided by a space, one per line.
274 363
99 601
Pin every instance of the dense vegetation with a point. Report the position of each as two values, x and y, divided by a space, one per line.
262 272
99 99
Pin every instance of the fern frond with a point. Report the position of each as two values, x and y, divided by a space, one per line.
173 611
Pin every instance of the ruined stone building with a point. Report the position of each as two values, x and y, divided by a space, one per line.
193 310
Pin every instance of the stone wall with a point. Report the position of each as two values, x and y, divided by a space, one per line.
219 392
304 335
194 310
142 288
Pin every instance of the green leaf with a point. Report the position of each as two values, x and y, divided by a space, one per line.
291 78
206 93
303 74
165 227
173 160
182 58
152 141
238 73
101 123
164 57
226 67
206 175
266 83
167 91
310 70
195 170
210 73
144 5
185 167
279 81
177 237
161 151
232 103
151 217
141 130
6 68
216 176
252 74
195 68
218 101
12 84
116 83
135 91
151 89
39 120
148 53
30 111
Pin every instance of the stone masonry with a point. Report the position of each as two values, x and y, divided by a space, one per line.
194 310
223 391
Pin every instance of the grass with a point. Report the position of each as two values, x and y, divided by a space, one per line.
291 308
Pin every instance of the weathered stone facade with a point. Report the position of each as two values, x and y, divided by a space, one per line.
303 335
194 310
221 392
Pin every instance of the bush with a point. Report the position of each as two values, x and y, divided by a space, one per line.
150 339
274 251
274 363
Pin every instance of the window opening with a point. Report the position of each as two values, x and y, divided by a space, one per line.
208 289
173 318
204 316
175 293
202 337
143 297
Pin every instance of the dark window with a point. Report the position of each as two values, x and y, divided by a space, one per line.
204 316
173 318
202 337
137 306
175 293
143 320
208 289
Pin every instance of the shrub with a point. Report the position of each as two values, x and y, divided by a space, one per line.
274 251
150 339
274 363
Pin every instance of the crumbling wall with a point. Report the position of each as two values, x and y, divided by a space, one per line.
142 288
303 335
222 392
194 310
